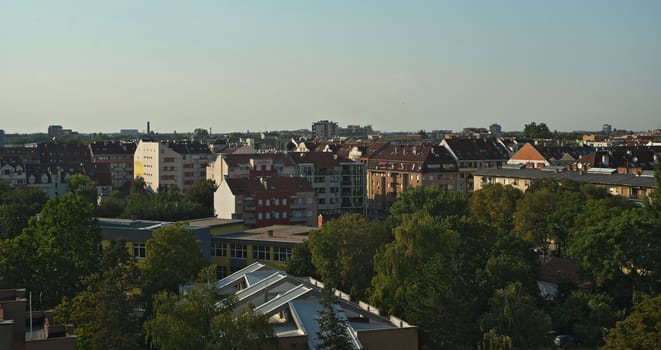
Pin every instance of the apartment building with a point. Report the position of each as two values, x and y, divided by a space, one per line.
168 164
266 201
338 182
472 155
324 129
249 166
113 163
394 168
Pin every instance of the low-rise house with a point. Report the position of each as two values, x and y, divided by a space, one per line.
293 305
271 245
266 201
249 166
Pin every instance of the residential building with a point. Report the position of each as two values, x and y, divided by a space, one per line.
170 164
626 160
270 245
394 168
293 305
632 186
338 182
54 131
324 129
113 162
249 166
538 156
266 201
2 138
24 329
474 154
12 171
355 131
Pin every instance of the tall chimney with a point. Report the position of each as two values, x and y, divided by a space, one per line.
147 128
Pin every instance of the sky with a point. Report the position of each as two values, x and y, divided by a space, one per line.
102 66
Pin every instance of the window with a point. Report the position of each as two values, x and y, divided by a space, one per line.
259 216
284 201
139 251
260 202
239 251
268 216
260 252
218 249
268 202
281 253
276 201
284 214
276 215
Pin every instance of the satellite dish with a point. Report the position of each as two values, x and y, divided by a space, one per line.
579 165
635 159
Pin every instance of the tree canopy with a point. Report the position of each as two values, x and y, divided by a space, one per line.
537 131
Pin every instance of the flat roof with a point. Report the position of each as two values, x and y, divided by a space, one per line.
281 233
213 222
129 224
598 178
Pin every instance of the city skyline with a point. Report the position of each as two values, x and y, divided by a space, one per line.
106 66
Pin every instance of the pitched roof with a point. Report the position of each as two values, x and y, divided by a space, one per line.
272 184
477 149
236 159
104 147
319 159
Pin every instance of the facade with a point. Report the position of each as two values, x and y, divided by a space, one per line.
271 245
394 168
171 164
2 138
324 129
113 162
626 185
293 306
474 154
266 201
249 166
22 330
338 182
12 171
54 131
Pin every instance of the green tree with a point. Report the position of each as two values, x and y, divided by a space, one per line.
333 330
173 258
17 206
300 262
585 315
343 251
201 193
200 319
63 241
83 186
494 206
430 199
104 313
537 131
513 313
112 206
640 330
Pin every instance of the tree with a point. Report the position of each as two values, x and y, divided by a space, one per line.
104 312
585 315
17 206
173 258
63 241
494 205
430 199
83 186
640 330
300 262
201 193
200 319
513 314
343 251
333 330
537 131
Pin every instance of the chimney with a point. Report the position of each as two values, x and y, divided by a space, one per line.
147 128
320 221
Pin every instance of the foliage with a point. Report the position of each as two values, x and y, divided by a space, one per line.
343 250
84 186
200 319
104 312
17 206
494 206
201 193
333 330
430 199
513 314
537 131
112 206
168 204
640 330
173 258
585 315
300 262
63 241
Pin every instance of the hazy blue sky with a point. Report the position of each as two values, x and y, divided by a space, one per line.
270 65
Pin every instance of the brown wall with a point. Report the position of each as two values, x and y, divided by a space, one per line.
389 339
68 343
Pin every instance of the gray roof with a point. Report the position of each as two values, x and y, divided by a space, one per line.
599 179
